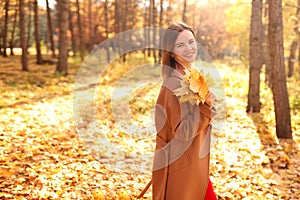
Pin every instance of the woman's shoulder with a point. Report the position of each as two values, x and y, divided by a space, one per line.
173 81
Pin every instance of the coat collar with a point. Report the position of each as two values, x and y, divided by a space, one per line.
176 74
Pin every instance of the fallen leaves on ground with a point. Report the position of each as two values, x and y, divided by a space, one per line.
43 157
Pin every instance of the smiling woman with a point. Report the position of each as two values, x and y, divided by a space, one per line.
181 161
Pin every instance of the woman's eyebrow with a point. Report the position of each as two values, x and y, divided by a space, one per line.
178 43
190 39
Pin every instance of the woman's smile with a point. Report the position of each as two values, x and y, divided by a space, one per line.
189 55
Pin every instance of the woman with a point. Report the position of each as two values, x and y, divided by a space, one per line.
181 161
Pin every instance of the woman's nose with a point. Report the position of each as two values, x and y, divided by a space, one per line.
188 47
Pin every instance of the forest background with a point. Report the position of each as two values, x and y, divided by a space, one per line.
43 47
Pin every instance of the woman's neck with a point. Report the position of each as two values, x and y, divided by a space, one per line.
181 68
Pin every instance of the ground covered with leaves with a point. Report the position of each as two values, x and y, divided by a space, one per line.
43 156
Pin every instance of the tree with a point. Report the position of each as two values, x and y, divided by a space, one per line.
292 57
23 36
267 63
118 22
90 24
106 29
81 46
294 44
12 39
39 59
161 10
124 26
255 58
50 29
62 12
278 79
117 16
153 11
73 39
29 15
184 12
145 24
5 28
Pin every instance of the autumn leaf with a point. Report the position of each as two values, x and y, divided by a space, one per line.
123 195
98 195
193 87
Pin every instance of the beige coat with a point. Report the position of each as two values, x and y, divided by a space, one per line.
181 161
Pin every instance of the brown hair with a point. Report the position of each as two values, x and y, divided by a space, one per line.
168 42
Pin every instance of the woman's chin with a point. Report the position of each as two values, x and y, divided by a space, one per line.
190 59
186 60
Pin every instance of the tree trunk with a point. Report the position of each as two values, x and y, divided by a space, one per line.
50 29
153 8
160 26
268 63
5 28
299 50
255 56
292 57
117 17
39 59
117 22
106 30
297 27
124 28
81 45
268 67
184 12
294 44
73 39
278 79
12 40
63 11
90 25
145 31
149 30
28 26
23 36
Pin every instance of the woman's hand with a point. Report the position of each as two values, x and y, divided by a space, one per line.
210 99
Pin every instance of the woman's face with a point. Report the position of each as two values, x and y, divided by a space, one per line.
185 49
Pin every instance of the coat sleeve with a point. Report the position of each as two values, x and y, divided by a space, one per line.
184 118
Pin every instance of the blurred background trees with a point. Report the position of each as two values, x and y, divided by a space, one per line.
219 24
226 29
222 27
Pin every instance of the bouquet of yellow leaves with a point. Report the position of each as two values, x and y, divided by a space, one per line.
193 87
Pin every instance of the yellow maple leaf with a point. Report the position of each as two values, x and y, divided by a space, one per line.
98 195
198 84
123 195
193 87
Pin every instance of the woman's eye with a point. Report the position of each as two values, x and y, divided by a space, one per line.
192 41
